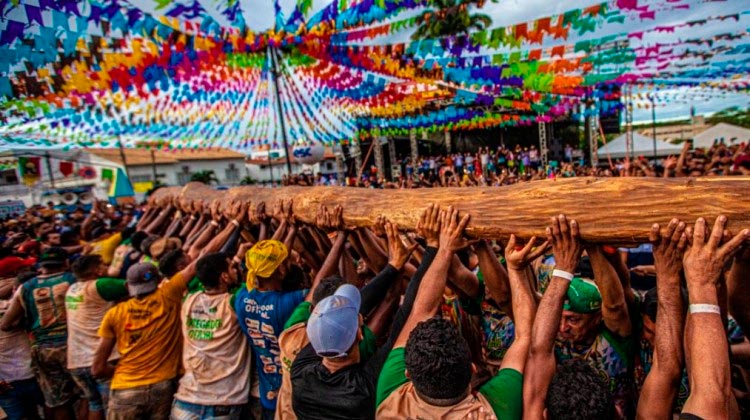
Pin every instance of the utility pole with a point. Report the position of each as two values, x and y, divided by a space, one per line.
49 170
122 156
275 73
653 121
153 167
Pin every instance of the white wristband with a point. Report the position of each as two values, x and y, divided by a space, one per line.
704 308
234 222
562 274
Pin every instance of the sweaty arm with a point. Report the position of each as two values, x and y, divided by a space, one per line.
524 308
739 289
330 265
495 276
614 308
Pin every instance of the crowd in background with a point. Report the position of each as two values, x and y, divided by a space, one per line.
190 310
505 166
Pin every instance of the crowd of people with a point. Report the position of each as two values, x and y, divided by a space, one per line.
505 166
183 310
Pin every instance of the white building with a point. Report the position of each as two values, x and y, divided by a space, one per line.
262 169
175 167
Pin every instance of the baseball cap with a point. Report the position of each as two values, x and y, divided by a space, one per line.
28 247
9 266
53 256
163 245
263 259
142 278
583 297
334 322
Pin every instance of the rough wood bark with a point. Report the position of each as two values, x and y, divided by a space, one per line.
609 210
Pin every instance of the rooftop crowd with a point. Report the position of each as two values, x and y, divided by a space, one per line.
183 310
505 166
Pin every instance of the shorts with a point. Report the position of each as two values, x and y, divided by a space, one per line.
148 401
22 400
94 390
182 410
49 364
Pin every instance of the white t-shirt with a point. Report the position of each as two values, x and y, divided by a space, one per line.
215 352
15 351
84 309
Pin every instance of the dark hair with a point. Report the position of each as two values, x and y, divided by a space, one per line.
294 279
127 232
209 268
438 360
137 238
326 288
86 265
68 237
98 231
650 304
45 235
25 276
578 392
169 262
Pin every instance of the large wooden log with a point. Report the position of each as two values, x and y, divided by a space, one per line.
609 210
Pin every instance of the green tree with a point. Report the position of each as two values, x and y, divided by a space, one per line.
450 17
206 177
248 180
734 115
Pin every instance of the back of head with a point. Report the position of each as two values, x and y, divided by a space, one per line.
438 360
127 232
209 268
578 392
86 266
326 288
54 258
137 238
169 264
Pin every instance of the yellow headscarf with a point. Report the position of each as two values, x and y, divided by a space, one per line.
263 259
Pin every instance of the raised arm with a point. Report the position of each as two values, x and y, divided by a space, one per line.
738 289
522 299
567 248
495 276
659 390
614 307
705 339
436 277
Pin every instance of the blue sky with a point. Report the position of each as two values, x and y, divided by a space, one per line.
507 12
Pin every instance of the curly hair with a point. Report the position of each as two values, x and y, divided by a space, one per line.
327 287
578 392
438 360
86 266
209 268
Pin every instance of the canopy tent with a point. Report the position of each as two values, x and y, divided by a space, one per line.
192 74
642 146
722 133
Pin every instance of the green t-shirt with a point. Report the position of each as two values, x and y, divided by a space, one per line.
504 392
111 289
367 347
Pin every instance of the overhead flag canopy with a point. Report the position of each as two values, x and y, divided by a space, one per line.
191 73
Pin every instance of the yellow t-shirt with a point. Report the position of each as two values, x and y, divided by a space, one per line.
106 247
148 336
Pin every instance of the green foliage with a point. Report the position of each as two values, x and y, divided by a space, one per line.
248 180
450 17
206 177
734 115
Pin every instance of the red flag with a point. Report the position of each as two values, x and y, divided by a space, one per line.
66 168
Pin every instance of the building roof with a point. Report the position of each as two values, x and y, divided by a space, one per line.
724 133
136 157
642 146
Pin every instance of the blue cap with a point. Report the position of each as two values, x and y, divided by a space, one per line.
334 323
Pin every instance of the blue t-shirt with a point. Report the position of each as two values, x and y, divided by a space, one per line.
262 316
